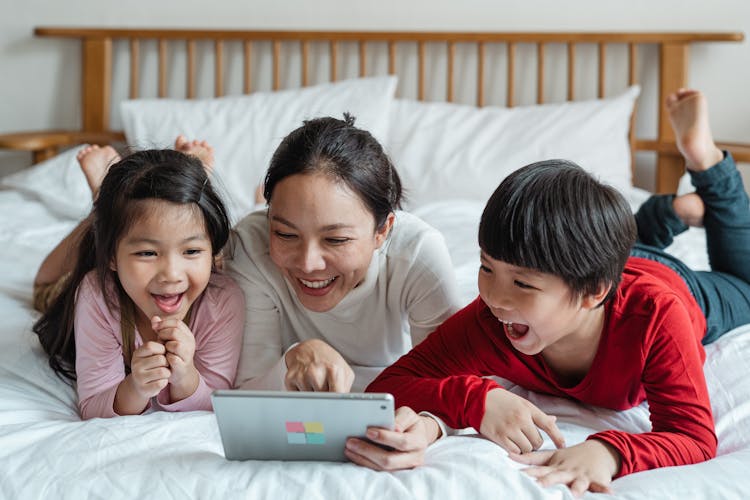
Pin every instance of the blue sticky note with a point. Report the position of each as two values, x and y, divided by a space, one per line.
295 437
315 438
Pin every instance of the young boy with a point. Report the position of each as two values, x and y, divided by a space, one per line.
566 308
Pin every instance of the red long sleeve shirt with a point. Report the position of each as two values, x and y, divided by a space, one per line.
649 349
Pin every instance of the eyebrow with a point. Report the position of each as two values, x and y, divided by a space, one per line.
329 227
521 270
189 239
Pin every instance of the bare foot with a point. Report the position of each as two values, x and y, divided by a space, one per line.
690 209
200 149
688 113
94 162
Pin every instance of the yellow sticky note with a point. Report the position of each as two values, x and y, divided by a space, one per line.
314 427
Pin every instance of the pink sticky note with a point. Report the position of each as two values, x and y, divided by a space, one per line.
295 427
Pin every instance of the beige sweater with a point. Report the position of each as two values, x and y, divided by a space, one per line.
409 290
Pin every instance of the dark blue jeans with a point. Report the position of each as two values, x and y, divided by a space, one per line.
724 292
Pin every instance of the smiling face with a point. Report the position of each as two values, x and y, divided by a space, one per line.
322 238
538 310
164 260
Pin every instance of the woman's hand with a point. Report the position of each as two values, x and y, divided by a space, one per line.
513 422
410 438
586 466
313 365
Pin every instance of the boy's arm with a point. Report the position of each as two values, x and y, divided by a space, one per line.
443 374
682 423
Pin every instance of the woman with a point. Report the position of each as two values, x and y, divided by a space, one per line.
338 282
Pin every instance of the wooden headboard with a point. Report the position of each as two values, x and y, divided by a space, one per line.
97 71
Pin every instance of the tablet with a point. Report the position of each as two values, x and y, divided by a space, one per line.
273 425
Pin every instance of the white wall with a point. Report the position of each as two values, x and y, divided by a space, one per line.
39 77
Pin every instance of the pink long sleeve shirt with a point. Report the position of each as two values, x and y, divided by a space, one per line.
217 322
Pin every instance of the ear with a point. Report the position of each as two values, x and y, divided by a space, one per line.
382 233
113 265
592 300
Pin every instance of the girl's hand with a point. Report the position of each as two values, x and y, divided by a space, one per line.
586 466
313 365
149 370
514 423
412 435
179 344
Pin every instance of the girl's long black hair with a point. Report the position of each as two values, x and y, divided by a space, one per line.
153 174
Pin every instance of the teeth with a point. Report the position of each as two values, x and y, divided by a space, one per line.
317 284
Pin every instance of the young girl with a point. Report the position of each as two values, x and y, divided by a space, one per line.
143 322
569 306
94 162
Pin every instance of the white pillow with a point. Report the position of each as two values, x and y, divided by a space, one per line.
449 151
245 130
57 182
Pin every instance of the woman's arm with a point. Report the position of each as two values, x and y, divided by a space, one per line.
430 292
261 363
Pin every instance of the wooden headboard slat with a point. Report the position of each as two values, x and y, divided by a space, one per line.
540 73
384 36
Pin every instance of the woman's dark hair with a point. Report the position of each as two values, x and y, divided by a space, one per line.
345 152
554 217
165 175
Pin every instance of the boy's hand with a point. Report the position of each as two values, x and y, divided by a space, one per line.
410 438
179 344
149 370
514 423
586 466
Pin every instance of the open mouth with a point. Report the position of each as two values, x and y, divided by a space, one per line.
316 287
514 331
168 304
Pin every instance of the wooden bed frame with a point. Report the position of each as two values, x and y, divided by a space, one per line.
97 72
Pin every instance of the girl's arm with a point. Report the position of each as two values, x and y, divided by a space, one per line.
100 368
217 330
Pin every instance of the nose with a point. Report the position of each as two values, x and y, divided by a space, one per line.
495 296
310 258
170 270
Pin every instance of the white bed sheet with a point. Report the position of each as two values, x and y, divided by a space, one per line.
47 452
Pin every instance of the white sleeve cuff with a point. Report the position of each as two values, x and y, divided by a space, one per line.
283 368
271 381
444 429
